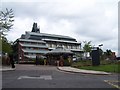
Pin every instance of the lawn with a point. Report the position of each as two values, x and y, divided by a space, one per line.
106 68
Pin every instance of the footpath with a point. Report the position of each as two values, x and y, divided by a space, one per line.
75 70
6 68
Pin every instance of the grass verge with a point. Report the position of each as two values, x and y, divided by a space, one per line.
107 68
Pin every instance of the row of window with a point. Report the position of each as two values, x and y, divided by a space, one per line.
33 43
30 54
50 45
30 48
65 46
54 38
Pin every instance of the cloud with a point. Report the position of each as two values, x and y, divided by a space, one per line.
91 20
20 26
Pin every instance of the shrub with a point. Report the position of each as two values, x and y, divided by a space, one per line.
66 62
41 61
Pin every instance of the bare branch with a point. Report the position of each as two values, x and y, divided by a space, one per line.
6 20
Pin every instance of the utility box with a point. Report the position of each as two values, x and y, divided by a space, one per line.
95 56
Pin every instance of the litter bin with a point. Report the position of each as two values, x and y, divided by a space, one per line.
95 56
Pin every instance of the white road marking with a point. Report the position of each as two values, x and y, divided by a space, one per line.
110 83
45 77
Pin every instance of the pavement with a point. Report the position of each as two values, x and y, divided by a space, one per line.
75 70
6 68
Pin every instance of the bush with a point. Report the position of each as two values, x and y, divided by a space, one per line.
66 62
82 63
41 61
5 61
105 62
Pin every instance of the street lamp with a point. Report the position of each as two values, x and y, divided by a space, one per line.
100 45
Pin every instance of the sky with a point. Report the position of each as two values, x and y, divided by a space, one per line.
84 20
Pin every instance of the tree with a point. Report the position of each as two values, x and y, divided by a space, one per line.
6 21
101 54
87 47
6 46
108 53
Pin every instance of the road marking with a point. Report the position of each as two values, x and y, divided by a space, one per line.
110 82
45 77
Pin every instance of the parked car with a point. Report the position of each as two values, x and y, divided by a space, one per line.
74 59
118 58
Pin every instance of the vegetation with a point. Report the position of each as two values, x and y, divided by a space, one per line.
106 65
87 47
66 62
108 54
106 68
6 20
6 46
108 60
82 63
6 23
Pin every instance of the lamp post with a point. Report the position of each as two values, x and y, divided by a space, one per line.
100 45
100 49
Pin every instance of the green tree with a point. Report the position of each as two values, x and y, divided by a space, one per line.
108 53
6 20
6 23
87 47
101 54
6 46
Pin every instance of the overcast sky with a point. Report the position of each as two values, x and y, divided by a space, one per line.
90 20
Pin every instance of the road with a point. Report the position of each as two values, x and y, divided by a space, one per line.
32 76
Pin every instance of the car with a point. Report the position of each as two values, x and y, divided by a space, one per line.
118 58
74 59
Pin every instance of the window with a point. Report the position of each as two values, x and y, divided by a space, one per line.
50 45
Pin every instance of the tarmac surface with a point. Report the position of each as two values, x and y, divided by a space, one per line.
40 76
64 68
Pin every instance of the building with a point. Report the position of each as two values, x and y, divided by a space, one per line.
32 43
59 56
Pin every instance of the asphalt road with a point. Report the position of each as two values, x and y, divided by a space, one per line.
31 76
